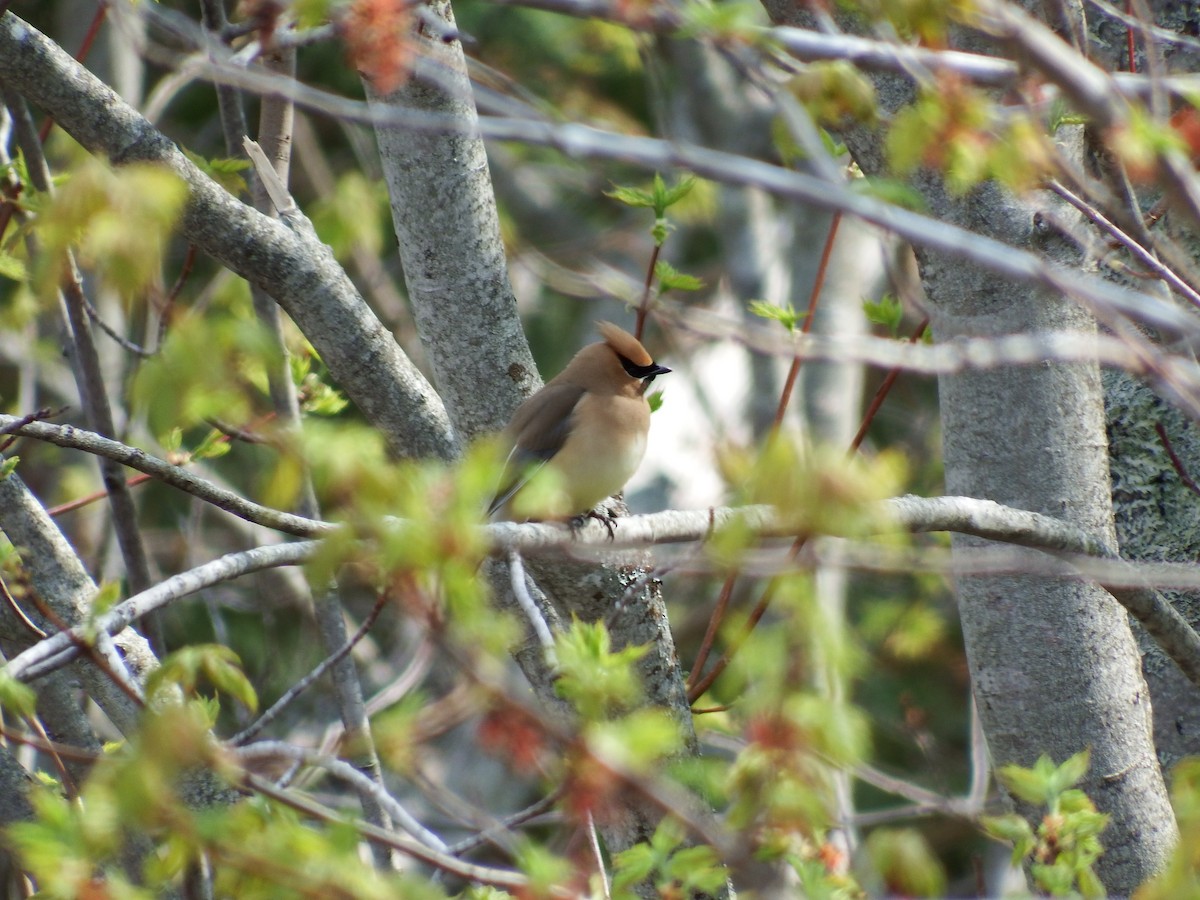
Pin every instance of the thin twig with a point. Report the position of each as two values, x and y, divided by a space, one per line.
484 874
516 569
164 312
85 47
37 416
121 340
94 497
698 684
15 607
806 326
881 393
44 744
1143 255
308 680
348 773
597 856
1176 462
506 824
644 303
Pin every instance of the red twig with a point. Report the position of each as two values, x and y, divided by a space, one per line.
644 305
141 477
89 499
885 387
806 326
710 633
697 683
760 609
1187 479
1129 42
85 48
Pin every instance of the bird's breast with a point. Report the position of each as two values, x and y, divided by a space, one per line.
604 448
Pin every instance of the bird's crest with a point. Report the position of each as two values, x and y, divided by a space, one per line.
624 344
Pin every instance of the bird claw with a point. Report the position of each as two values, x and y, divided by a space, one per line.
607 519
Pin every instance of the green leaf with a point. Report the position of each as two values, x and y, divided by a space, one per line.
8 466
210 366
1089 883
836 94
106 598
660 197
631 196
225 171
352 216
909 868
1011 828
214 446
118 222
696 867
1056 880
634 865
12 267
595 679
655 400
733 20
670 278
891 190
543 868
665 197
1061 114
1071 772
832 145
17 697
216 663
638 741
661 231
785 315
888 311
1024 784
320 399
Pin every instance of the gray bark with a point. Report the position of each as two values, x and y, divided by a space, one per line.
1158 518
448 230
1157 513
59 579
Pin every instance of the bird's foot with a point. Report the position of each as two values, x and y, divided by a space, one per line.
605 518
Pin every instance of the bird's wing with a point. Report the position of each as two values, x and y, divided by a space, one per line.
538 431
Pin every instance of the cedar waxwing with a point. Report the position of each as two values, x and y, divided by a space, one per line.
586 429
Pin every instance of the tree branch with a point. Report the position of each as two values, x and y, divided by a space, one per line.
963 515
299 272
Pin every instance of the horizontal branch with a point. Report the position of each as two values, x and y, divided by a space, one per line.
963 515
176 476
60 648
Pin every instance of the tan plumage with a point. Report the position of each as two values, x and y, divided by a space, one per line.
586 428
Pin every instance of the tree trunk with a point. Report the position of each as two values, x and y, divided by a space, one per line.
1053 663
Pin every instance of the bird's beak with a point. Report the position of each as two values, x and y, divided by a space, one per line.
651 373
648 374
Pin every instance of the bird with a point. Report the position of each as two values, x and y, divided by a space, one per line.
582 436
